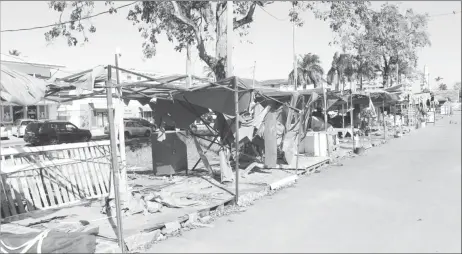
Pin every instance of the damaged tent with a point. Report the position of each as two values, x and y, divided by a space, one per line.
20 88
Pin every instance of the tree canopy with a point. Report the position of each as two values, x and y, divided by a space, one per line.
387 40
197 23
309 71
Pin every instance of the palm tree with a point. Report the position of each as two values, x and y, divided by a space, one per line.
208 72
14 52
309 71
344 68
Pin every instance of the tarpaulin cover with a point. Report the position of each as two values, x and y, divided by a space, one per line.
54 242
20 88
218 98
181 113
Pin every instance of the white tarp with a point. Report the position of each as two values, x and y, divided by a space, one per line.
21 88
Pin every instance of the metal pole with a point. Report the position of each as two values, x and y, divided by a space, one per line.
325 118
352 122
236 105
384 123
114 162
302 113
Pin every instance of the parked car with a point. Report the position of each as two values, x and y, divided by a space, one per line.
55 132
3 132
142 121
19 127
133 129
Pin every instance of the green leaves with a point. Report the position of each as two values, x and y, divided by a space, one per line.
309 71
387 39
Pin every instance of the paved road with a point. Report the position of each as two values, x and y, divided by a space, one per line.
401 197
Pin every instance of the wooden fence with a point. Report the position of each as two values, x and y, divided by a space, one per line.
40 178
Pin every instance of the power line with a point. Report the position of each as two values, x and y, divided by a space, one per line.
445 14
272 14
66 22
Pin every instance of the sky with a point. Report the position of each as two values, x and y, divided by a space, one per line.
270 35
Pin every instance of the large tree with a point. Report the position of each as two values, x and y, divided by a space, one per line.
309 71
198 23
388 39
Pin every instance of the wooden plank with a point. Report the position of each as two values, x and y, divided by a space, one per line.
64 181
5 205
107 167
46 185
98 181
9 197
41 191
81 172
87 172
26 191
3 201
40 149
96 160
91 169
73 188
49 193
57 181
17 187
30 179
75 175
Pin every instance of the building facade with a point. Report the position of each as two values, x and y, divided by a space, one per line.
9 112
92 113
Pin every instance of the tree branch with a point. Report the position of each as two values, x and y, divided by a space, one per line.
179 14
248 17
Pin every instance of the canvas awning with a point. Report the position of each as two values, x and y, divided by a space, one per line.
20 88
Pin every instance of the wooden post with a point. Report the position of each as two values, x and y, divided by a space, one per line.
236 104
120 109
352 122
114 160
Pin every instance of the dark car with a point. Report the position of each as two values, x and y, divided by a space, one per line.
55 132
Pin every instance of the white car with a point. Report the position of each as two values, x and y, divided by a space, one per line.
19 127
3 132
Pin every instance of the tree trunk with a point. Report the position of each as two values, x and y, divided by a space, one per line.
221 44
337 86
361 81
